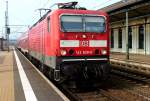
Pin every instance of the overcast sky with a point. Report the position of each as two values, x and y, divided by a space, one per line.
24 12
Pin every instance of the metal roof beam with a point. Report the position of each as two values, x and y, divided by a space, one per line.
129 7
133 18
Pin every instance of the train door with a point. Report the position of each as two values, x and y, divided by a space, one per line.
42 49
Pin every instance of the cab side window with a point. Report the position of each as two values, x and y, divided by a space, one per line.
48 24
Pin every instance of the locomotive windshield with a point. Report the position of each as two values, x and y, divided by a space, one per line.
82 23
71 23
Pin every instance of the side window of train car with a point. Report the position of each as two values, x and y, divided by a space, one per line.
48 24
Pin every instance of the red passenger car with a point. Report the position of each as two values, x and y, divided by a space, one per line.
22 43
71 43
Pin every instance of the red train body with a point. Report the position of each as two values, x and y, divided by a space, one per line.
70 43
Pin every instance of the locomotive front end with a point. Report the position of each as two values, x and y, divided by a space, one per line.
84 46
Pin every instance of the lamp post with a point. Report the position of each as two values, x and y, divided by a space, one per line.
7 29
127 43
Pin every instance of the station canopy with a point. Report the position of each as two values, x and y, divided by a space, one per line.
136 9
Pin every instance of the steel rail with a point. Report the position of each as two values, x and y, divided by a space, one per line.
109 96
134 77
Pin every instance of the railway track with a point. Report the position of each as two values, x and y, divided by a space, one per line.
121 86
140 84
98 95
91 95
131 75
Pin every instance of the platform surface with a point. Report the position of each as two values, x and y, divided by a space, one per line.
6 77
11 86
139 58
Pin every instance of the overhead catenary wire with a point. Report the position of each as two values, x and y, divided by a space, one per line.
102 4
45 3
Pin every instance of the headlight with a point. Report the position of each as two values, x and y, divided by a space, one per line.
63 52
104 52
83 36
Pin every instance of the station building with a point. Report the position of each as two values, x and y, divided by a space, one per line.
138 36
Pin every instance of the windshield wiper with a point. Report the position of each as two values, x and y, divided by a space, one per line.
62 27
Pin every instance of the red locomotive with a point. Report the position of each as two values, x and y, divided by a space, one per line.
70 43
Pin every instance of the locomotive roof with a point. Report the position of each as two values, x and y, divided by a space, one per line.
42 18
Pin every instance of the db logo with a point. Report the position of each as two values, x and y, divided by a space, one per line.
84 43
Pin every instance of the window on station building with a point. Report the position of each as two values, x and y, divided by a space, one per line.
48 24
112 38
120 38
130 36
141 37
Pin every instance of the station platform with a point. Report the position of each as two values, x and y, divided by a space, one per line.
132 57
20 81
136 62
